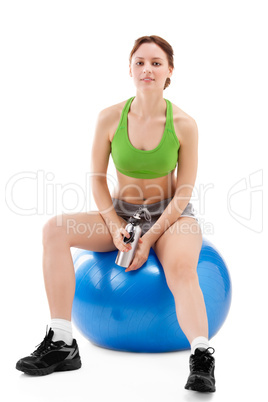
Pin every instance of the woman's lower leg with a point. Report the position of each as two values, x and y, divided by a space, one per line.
58 268
59 277
190 306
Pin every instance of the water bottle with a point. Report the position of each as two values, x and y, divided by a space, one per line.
124 258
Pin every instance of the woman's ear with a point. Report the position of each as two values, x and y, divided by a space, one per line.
130 71
170 72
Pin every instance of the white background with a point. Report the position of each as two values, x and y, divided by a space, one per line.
61 63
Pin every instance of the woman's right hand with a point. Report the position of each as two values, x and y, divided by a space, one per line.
118 237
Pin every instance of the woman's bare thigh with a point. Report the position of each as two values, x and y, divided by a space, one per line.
86 230
179 246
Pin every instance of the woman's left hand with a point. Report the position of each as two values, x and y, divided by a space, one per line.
141 255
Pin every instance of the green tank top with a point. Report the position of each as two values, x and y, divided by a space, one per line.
143 164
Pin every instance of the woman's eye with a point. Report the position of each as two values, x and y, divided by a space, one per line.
155 63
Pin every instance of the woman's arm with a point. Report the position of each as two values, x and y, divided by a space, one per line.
101 149
186 176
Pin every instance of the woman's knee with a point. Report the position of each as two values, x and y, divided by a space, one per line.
182 274
54 231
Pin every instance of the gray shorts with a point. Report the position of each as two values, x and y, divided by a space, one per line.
125 210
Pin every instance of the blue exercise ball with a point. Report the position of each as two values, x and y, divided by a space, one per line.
135 311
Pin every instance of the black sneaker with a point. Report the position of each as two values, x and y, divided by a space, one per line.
51 356
202 365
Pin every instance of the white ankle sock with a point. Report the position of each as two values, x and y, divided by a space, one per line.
199 342
62 330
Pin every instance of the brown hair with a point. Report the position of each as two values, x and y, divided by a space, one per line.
161 43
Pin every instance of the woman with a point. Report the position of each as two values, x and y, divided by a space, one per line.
154 145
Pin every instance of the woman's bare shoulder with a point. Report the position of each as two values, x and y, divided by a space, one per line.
110 116
112 112
180 115
183 122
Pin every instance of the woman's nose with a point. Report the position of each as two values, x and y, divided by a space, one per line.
147 68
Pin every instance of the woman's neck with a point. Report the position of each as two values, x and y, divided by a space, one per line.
148 104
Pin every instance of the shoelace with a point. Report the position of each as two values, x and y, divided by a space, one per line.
44 345
203 362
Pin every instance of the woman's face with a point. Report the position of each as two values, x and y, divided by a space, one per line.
149 67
